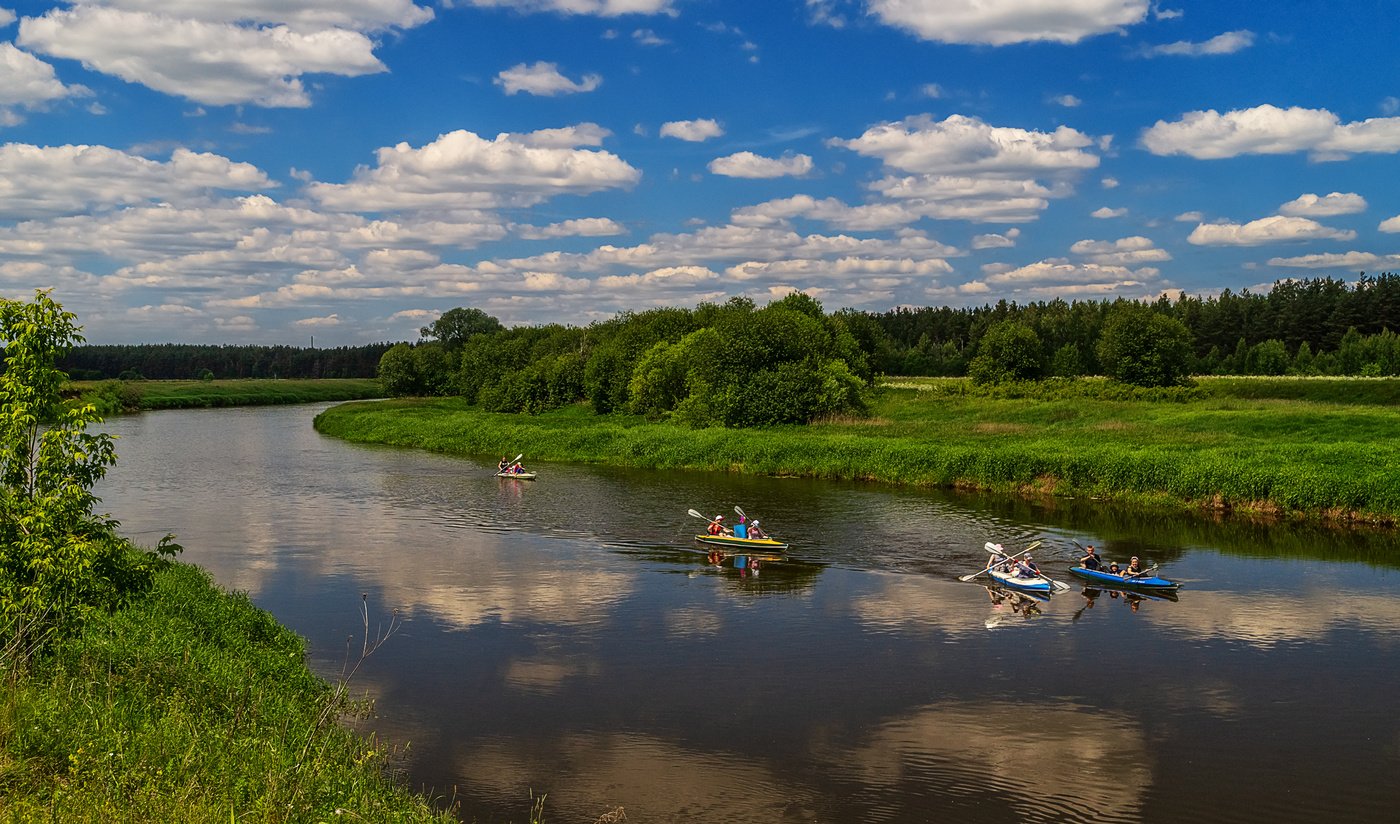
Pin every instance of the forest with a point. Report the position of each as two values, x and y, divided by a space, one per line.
181 361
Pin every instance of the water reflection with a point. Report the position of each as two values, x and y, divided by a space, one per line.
567 636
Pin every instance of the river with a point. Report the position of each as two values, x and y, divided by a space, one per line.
565 637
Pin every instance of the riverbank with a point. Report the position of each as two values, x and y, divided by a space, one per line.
115 397
1211 448
191 705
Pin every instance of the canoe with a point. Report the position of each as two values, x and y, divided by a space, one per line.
519 476
1035 583
746 544
1145 583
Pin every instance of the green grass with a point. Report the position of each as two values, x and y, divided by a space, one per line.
193 706
117 396
1195 449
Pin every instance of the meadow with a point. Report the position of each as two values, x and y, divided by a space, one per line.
1317 448
113 397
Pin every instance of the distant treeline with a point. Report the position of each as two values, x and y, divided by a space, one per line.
1301 326
180 361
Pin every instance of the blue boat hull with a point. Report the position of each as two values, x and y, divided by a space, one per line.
1109 580
1035 585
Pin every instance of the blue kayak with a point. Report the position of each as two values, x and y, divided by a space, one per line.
1144 583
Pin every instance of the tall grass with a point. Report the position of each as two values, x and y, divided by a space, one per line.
1322 459
191 706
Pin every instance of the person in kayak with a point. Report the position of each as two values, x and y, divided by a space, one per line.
1026 568
755 532
717 526
741 529
518 469
1133 569
1113 568
501 467
1090 559
998 558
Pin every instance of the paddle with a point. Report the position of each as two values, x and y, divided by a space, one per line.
1009 557
695 514
510 465
1145 573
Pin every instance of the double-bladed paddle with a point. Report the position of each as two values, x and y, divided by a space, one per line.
1008 558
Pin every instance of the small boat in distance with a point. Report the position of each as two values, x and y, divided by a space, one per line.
519 476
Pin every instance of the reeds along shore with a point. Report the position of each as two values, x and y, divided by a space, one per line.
1214 446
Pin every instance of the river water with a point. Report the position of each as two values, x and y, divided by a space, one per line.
566 637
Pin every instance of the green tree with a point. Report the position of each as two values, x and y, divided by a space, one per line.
1144 347
1268 357
398 372
1009 351
456 326
59 562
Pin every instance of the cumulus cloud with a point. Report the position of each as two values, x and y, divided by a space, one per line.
694 131
1069 101
1002 22
1105 213
748 164
330 320
1336 203
1128 251
27 81
44 181
1227 43
217 63
1005 240
1060 278
579 227
598 8
1352 261
962 145
1267 129
464 170
6 17
1275 229
303 15
1390 224
544 80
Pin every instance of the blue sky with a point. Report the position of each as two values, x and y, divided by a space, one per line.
278 171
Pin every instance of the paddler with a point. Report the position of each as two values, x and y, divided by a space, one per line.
1090 559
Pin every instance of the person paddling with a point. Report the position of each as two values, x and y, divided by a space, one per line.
717 526
1133 569
755 532
1090 559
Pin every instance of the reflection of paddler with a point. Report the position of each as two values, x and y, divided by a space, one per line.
716 557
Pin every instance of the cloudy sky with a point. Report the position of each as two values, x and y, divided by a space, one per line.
278 171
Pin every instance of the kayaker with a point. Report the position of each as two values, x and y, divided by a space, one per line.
1026 568
998 557
755 532
1134 568
717 526
501 467
1090 559
1113 568
741 529
519 469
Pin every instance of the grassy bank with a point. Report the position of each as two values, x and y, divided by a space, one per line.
1326 458
192 706
113 397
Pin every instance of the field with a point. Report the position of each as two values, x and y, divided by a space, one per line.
126 396
1231 445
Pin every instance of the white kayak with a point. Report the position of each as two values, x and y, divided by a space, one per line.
1022 583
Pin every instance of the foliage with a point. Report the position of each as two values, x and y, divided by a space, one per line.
1010 351
457 326
182 361
114 397
1144 347
59 563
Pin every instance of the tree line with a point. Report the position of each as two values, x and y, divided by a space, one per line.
735 364
181 361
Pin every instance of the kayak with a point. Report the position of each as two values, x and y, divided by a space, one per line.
519 476
1145 583
1034 583
748 544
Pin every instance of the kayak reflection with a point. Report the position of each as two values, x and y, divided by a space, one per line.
1010 606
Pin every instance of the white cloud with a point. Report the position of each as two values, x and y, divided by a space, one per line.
1346 260
996 241
968 146
217 63
599 8
1190 217
6 17
1227 43
330 320
303 15
1109 183
1267 129
647 37
543 79
1390 224
1069 101
1336 203
1060 278
748 164
933 91
464 170
579 227
694 131
1105 213
1001 22
37 181
25 80
1275 229
1128 251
